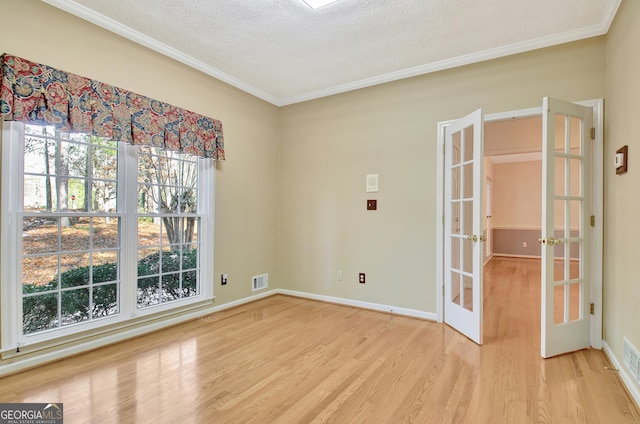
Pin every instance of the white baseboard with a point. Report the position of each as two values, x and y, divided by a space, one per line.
360 304
244 300
508 255
629 383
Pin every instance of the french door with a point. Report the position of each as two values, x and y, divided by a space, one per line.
566 209
565 239
463 237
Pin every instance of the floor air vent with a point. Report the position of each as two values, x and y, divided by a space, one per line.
631 359
259 282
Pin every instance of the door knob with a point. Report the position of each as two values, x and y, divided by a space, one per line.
549 241
473 238
553 240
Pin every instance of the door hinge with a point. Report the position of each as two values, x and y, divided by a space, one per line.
443 219
593 309
593 133
593 220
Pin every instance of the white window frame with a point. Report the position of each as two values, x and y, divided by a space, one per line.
11 336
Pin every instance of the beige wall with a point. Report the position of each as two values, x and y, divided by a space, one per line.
622 196
517 195
245 221
329 145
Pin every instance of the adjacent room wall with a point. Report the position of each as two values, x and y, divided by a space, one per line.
517 210
622 195
329 145
246 193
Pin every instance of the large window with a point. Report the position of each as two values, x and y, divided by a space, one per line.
89 243
168 237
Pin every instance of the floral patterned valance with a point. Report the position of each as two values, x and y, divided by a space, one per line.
41 95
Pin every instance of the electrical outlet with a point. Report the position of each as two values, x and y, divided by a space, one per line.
223 279
361 278
339 276
524 244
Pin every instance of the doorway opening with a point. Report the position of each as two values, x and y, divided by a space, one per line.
513 203
526 245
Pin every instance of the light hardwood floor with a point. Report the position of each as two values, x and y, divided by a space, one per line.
288 360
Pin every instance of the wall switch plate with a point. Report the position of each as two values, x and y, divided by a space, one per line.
372 183
223 279
361 278
372 205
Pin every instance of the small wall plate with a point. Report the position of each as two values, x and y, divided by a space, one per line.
372 205
372 183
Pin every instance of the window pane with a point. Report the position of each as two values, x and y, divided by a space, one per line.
39 312
39 273
39 193
74 233
190 283
149 231
170 287
105 300
105 267
39 235
77 193
148 291
73 159
105 233
171 230
190 258
103 196
191 230
105 163
171 259
147 198
148 261
75 306
74 269
39 156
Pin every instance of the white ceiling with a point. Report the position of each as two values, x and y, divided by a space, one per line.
285 52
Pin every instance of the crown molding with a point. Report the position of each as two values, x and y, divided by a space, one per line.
610 14
499 52
144 40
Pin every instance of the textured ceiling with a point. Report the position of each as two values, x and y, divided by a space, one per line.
285 52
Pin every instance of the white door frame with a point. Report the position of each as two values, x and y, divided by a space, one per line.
597 199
